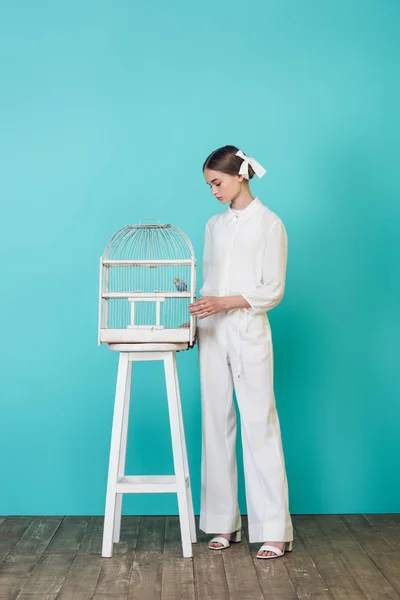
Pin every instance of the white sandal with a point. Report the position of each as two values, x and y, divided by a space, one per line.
236 537
278 553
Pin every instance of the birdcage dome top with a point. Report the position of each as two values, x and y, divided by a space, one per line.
155 241
156 226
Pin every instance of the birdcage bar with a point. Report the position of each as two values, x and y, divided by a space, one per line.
158 311
156 263
103 305
132 314
192 320
106 287
148 295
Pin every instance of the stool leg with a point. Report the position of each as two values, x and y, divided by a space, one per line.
185 456
179 466
115 448
122 454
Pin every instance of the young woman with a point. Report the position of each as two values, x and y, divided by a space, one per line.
244 271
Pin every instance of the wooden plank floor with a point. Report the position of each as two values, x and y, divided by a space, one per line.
339 557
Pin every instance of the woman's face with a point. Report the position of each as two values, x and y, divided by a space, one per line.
223 186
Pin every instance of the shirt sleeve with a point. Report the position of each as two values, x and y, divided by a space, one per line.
266 296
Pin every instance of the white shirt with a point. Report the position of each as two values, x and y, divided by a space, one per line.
245 254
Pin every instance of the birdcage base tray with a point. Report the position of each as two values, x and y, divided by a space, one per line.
133 336
157 347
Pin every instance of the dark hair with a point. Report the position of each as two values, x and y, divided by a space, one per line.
225 160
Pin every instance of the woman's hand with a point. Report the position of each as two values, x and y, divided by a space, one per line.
207 306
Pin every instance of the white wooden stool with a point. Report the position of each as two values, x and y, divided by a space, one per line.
119 483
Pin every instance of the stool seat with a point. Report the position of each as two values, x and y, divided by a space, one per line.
119 482
154 347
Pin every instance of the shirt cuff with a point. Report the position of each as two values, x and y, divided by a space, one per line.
253 310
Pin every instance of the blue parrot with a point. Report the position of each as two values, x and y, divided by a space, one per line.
180 285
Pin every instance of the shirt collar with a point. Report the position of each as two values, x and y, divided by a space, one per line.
244 215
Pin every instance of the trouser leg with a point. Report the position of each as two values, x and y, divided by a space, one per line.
219 511
264 465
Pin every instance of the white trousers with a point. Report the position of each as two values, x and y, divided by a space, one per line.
235 351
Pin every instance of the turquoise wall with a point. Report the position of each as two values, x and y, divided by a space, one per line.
108 110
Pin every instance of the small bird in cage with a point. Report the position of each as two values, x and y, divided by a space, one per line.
180 285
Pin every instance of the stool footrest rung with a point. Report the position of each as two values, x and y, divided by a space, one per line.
147 484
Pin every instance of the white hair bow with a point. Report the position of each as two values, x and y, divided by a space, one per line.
244 167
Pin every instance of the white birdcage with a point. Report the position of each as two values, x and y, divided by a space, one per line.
147 281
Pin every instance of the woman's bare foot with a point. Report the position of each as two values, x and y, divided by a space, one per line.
227 536
280 545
